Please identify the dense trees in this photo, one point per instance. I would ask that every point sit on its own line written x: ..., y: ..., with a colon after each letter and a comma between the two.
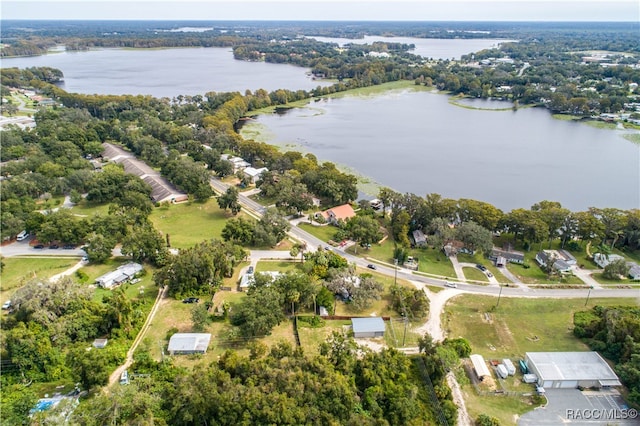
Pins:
x: 615, y: 332
x: 199, y: 269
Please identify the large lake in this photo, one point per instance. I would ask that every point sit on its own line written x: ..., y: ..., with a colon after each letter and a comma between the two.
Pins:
x: 410, y: 141
x: 166, y: 72
x: 416, y: 141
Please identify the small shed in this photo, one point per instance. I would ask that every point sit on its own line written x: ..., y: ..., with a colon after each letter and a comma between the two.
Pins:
x: 368, y: 327
x: 480, y: 366
x: 189, y: 343
x: 100, y: 343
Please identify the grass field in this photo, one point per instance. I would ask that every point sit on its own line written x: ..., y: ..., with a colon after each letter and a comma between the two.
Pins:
x: 518, y: 325
x: 17, y: 271
x: 190, y: 223
x: 325, y: 233
x: 474, y: 274
x: 280, y: 266
x: 311, y: 338
x: 505, y: 408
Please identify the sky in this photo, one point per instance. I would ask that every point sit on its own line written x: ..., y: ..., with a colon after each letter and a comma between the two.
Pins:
x: 322, y: 10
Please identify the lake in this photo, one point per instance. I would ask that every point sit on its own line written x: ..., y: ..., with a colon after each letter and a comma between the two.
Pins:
x: 166, y: 72
x: 410, y: 141
x: 435, y: 48
x: 417, y: 142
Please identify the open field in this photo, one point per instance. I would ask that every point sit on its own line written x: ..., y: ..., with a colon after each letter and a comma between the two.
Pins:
x: 311, y: 338
x: 325, y: 233
x: 474, y: 274
x: 518, y: 325
x: 280, y: 266
x: 85, y: 208
x: 190, y: 223
x: 17, y: 271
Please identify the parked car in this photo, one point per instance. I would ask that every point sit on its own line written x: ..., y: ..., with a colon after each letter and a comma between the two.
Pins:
x: 54, y: 246
x: 450, y: 284
x: 481, y: 267
x: 371, y: 266
x: 38, y: 246
x: 6, y: 305
x: 68, y: 246
x: 250, y: 270
x: 191, y: 300
x: 489, y: 274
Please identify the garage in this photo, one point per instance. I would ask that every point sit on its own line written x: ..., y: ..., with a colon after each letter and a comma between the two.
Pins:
x: 569, y: 370
x: 368, y: 327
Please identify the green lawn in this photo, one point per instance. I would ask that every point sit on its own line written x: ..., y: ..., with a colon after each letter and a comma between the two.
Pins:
x: 474, y: 274
x: 86, y: 208
x: 311, y: 338
x: 280, y: 266
x: 17, y: 271
x: 518, y: 325
x: 505, y: 408
x: 325, y: 233
x: 399, y: 336
x: 190, y: 223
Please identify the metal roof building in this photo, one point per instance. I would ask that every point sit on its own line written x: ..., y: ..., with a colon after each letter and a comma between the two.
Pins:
x: 571, y: 369
x: 189, y: 343
x: 480, y: 366
x: 368, y: 327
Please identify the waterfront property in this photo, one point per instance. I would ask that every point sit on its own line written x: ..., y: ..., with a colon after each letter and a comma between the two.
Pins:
x: 336, y: 214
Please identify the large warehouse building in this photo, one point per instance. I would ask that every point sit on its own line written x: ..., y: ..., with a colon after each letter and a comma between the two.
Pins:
x: 571, y: 369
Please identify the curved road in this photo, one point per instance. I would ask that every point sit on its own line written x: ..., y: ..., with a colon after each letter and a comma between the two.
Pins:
x: 312, y: 242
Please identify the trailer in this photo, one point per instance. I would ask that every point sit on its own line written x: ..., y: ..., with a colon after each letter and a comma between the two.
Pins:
x: 511, y: 369
x: 530, y: 378
x: 501, y: 371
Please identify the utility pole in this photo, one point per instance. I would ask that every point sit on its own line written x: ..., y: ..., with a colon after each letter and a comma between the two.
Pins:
x: 588, y: 294
x: 499, y: 294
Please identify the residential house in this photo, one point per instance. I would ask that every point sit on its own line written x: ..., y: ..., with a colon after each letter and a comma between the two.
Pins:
x: 634, y: 271
x: 502, y: 256
x: 122, y: 274
x: 189, y: 343
x: 452, y: 247
x: 237, y: 162
x: 419, y: 239
x: 336, y: 214
x: 545, y: 256
x: 603, y: 259
x: 254, y: 174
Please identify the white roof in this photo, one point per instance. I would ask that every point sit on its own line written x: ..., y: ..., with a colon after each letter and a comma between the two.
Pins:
x: 479, y: 365
x: 183, y: 342
x: 253, y: 172
x: 572, y: 366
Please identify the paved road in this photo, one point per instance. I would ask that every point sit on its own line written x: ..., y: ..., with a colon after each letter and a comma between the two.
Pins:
x: 313, y: 242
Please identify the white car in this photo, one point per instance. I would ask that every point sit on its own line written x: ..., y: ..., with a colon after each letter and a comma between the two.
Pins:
x: 6, y: 305
x: 450, y: 284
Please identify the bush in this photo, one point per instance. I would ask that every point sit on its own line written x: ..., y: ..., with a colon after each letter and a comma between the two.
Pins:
x: 171, y: 332
x: 82, y: 276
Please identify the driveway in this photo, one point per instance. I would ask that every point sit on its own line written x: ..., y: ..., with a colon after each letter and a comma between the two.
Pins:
x: 585, y: 276
x: 576, y: 408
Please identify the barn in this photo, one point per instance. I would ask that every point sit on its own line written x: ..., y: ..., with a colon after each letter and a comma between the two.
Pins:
x: 368, y: 327
x: 571, y: 370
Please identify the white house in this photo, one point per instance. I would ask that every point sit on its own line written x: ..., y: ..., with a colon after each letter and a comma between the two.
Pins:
x: 559, y: 264
x: 122, y: 274
x: 603, y: 259
x: 253, y: 173
x: 189, y: 343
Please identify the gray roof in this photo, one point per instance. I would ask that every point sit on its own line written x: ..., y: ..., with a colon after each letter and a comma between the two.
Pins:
x: 161, y: 189
x: 572, y: 366
x: 189, y: 342
x: 419, y: 237
x: 367, y: 325
x: 507, y: 254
